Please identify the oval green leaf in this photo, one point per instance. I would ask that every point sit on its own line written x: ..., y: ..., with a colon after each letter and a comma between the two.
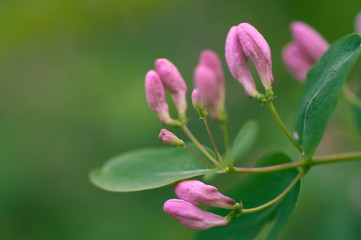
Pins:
x: 254, y: 190
x: 244, y: 141
x: 148, y: 168
x: 322, y: 88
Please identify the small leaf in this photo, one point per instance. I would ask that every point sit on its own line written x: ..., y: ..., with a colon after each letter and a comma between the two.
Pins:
x: 244, y: 141
x: 322, y: 88
x: 254, y: 190
x: 148, y: 168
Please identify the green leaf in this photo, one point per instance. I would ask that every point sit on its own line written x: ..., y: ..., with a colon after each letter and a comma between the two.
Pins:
x: 148, y: 168
x: 322, y: 88
x: 254, y: 190
x: 244, y: 141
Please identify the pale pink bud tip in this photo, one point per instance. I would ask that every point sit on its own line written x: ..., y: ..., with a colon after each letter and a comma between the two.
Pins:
x: 358, y: 23
x: 238, y: 64
x: 170, y: 139
x: 191, y: 216
x: 210, y: 59
x: 198, y: 193
x: 296, y: 61
x: 155, y: 94
x: 309, y: 40
x: 198, y: 104
x: 256, y: 48
x: 206, y: 81
x: 173, y: 82
x: 209, y: 79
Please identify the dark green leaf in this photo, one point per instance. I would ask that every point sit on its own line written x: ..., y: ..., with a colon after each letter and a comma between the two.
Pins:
x: 148, y: 168
x: 244, y: 141
x: 254, y: 190
x: 322, y: 88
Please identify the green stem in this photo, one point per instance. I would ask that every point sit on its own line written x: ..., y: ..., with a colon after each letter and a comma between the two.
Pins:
x: 274, y: 168
x: 197, y: 156
x: 285, y: 166
x: 336, y: 158
x: 212, y: 139
x: 283, y: 127
x: 304, y: 164
x: 225, y: 134
x: 351, y: 97
x: 195, y: 141
x: 278, y: 198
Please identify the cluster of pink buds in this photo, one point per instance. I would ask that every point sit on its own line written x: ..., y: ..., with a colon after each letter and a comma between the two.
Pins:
x: 245, y: 42
x: 167, y: 77
x: 306, y: 49
x: 192, y: 193
x: 209, y: 93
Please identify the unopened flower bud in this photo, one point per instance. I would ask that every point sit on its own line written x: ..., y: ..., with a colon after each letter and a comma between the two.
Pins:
x: 309, y: 40
x: 296, y: 61
x: 173, y: 82
x: 358, y: 23
x: 306, y: 49
x: 198, y: 193
x: 210, y: 59
x: 238, y: 63
x: 198, y: 104
x: 191, y: 216
x: 170, y: 139
x: 256, y: 48
x: 207, y: 82
x: 155, y: 94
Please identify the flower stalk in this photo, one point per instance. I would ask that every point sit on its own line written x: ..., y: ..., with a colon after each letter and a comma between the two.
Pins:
x: 276, y: 199
x: 197, y: 156
x: 283, y: 127
x: 225, y: 135
x: 212, y: 139
x: 197, y: 143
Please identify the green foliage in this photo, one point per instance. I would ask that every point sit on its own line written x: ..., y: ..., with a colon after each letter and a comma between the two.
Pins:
x: 244, y: 141
x: 148, y: 168
x: 254, y: 190
x: 322, y: 88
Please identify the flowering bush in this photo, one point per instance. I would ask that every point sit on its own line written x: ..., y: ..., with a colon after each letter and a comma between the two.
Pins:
x: 269, y: 193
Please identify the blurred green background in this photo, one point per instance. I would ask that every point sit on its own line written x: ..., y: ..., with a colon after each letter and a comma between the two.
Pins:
x: 72, y: 95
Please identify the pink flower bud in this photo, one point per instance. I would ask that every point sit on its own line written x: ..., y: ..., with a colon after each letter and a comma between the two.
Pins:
x: 191, y: 216
x: 206, y: 81
x: 309, y: 40
x: 238, y: 63
x: 170, y: 139
x: 209, y: 79
x: 198, y: 193
x: 256, y: 48
x: 155, y: 94
x: 198, y: 104
x: 173, y: 82
x: 296, y: 61
x: 358, y: 23
x: 210, y: 59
